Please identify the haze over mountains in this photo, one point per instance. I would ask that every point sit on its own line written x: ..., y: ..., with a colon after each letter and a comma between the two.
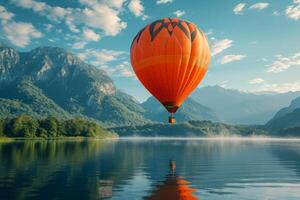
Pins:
x: 51, y: 81
x: 233, y: 106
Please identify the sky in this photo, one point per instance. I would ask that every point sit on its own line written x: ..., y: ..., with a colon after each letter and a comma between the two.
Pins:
x: 255, y: 45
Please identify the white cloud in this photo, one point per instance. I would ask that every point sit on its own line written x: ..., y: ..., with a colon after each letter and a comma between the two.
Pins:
x: 105, y: 59
x: 136, y: 7
x: 123, y: 70
x: 144, y: 17
x: 48, y: 27
x: 223, y: 84
x: 238, y: 9
x: 231, y: 58
x: 256, y: 81
x: 293, y: 11
x: 102, y: 15
x: 19, y: 33
x: 163, y: 1
x: 259, y: 6
x: 100, y: 57
x: 276, y: 13
x: 32, y: 4
x: 280, y: 88
x: 79, y: 45
x: 5, y: 15
x: 282, y: 63
x: 219, y: 46
x: 90, y: 35
x: 179, y: 13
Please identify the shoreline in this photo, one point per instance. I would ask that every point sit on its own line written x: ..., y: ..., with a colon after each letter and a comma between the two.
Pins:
x: 71, y: 138
x: 222, y: 138
x: 137, y: 138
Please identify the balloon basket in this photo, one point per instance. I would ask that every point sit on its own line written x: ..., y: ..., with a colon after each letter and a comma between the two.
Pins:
x: 172, y: 120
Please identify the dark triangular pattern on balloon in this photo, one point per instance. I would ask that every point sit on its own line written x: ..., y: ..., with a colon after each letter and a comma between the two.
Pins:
x: 138, y: 36
x: 156, y: 26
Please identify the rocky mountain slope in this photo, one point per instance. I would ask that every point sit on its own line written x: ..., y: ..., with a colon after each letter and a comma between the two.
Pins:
x: 286, y: 120
x: 52, y: 81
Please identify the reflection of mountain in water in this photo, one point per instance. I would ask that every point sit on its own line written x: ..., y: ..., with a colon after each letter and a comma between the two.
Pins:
x: 121, y: 169
x: 289, y: 156
x: 67, y: 170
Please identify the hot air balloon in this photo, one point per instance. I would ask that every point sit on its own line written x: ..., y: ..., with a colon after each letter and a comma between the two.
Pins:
x: 170, y: 57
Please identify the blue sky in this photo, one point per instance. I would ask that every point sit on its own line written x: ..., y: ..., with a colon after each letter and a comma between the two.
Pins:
x: 255, y: 44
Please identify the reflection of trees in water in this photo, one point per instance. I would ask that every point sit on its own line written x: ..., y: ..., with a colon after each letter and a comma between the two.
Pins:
x: 68, y: 169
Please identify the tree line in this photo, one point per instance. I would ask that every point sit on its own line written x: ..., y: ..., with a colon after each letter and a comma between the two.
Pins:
x: 50, y: 127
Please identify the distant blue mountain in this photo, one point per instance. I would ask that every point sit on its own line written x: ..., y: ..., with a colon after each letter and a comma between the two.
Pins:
x: 189, y: 110
x: 233, y: 106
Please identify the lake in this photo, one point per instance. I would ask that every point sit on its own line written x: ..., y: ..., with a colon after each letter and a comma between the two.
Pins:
x: 150, y: 169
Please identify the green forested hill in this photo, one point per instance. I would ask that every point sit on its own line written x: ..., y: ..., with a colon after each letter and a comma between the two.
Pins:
x: 49, y: 81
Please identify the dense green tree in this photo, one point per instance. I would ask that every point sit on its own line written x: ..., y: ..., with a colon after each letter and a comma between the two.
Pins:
x: 23, y: 126
x: 2, y: 127
x: 51, y: 127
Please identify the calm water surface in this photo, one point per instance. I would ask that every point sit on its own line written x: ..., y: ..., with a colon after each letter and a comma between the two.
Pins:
x: 139, y: 169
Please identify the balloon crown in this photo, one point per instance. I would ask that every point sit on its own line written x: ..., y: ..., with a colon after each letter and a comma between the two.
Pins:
x: 169, y: 24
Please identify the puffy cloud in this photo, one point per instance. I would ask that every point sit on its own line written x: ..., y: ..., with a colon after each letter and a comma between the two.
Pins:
x: 90, y: 35
x: 104, y: 58
x: 256, y: 81
x: 79, y: 45
x: 31, y: 4
x: 223, y: 84
x: 293, y: 11
x: 280, y: 88
x: 5, y: 15
x: 102, y: 15
x: 136, y: 7
x: 259, y: 6
x: 179, y: 13
x: 123, y: 70
x: 219, y: 46
x: 100, y: 57
x: 163, y: 1
x: 238, y: 9
x: 19, y: 33
x: 48, y: 27
x: 282, y: 63
x: 231, y: 58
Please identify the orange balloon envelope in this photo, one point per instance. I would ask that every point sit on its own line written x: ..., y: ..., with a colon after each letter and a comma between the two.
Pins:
x: 170, y: 57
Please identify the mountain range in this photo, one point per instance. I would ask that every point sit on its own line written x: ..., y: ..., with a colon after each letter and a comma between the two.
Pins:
x: 237, y: 107
x: 52, y: 81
